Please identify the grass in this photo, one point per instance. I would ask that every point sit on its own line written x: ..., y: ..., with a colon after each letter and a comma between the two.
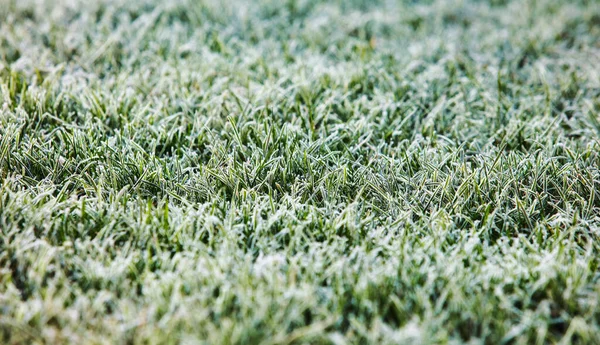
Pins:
x: 305, y: 171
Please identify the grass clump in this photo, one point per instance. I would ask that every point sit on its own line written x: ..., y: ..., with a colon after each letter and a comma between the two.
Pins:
x: 299, y: 172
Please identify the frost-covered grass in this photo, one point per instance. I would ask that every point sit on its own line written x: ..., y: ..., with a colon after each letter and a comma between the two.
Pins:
x: 306, y: 171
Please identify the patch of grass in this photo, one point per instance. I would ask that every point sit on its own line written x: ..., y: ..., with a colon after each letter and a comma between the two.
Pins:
x: 306, y: 171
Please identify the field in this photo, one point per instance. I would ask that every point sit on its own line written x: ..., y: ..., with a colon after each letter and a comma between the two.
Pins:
x: 299, y: 172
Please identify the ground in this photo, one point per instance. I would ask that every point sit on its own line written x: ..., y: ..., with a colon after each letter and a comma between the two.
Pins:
x: 295, y: 172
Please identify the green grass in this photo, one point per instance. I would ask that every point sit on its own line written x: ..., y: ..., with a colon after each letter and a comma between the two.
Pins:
x: 299, y: 172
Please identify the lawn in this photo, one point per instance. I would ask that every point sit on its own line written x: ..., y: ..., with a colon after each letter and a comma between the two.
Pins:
x: 299, y: 172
